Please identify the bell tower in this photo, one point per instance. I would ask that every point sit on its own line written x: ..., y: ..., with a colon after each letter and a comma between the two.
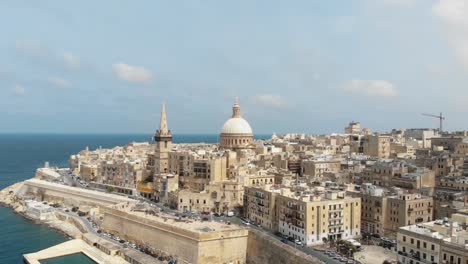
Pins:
x: 163, y: 139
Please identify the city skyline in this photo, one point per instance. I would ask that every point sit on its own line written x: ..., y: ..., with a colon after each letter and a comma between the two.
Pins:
x: 305, y: 67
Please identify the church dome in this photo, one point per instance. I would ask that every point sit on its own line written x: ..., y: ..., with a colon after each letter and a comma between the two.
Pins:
x: 236, y: 125
x: 236, y: 132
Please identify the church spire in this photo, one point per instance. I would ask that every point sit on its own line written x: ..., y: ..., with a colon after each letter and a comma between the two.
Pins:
x: 163, y: 131
x: 236, y: 108
x: 163, y: 122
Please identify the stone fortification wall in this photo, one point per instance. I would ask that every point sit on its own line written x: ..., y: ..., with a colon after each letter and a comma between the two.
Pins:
x: 263, y: 248
x: 73, y: 220
x: 191, y: 246
x: 53, y: 192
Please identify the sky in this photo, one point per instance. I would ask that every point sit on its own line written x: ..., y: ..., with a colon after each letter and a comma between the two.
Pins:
x: 307, y: 66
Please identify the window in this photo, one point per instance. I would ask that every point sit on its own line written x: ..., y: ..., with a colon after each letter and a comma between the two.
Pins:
x: 404, y: 238
x: 432, y: 247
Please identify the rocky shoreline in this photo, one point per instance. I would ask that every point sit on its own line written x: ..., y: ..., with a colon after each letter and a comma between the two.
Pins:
x: 8, y: 199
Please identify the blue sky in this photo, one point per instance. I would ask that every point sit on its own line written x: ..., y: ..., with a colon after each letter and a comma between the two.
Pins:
x: 297, y: 66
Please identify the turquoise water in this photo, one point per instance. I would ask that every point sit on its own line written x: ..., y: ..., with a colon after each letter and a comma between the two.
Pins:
x: 76, y: 258
x: 21, y: 154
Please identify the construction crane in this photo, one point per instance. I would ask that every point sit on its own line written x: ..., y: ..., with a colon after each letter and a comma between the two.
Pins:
x: 440, y: 117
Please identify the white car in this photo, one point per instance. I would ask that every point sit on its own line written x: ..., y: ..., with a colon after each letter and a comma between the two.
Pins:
x: 298, y: 242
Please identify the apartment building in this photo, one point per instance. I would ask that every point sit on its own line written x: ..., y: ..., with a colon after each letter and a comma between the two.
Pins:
x: 260, y: 205
x: 457, y: 183
x: 389, y: 173
x: 376, y: 146
x: 317, y: 217
x: 353, y: 128
x: 442, y: 241
x: 315, y: 169
x: 384, y: 212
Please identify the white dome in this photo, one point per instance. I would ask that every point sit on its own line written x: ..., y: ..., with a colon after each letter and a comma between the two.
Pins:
x: 236, y: 125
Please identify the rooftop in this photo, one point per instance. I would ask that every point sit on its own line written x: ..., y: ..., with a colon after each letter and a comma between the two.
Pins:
x: 185, y: 223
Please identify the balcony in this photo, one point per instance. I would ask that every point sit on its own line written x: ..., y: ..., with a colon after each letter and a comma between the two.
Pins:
x: 332, y: 217
x: 339, y: 231
x: 416, y: 256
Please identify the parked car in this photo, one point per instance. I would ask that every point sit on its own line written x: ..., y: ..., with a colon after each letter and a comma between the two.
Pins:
x: 284, y: 240
x: 298, y: 242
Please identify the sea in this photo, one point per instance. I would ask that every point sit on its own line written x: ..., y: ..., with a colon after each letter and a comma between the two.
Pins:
x: 21, y: 154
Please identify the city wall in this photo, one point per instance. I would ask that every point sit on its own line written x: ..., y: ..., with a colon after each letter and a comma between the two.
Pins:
x: 263, y: 248
x: 190, y: 246
x: 53, y: 192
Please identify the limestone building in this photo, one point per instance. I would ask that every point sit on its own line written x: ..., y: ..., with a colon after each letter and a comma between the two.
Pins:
x: 312, y: 216
x: 236, y: 132
x: 353, y: 128
x: 260, y: 205
x: 384, y: 212
x: 376, y: 146
x: 441, y: 241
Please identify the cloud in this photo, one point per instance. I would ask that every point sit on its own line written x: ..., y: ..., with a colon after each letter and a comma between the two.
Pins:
x: 71, y: 60
x: 370, y: 88
x: 270, y: 100
x: 19, y: 90
x: 59, y: 82
x: 454, y: 16
x: 130, y: 73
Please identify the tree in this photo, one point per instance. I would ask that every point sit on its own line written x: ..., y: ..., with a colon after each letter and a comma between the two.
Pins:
x: 110, y: 189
